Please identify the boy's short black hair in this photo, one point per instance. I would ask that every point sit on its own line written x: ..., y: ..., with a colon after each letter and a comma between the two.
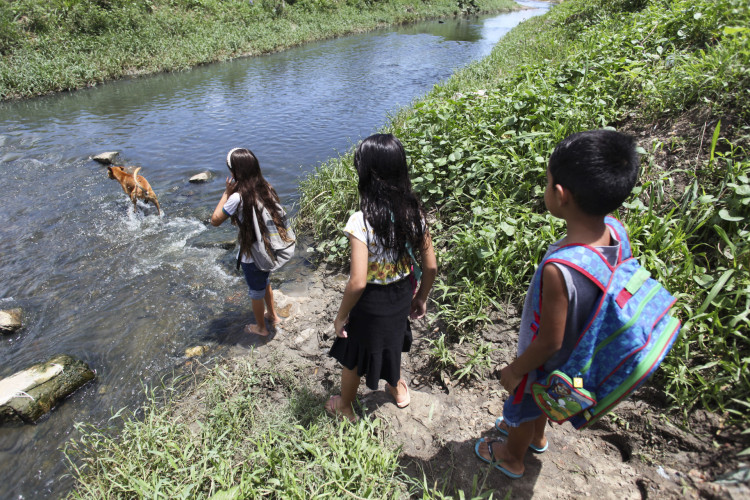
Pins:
x: 599, y: 167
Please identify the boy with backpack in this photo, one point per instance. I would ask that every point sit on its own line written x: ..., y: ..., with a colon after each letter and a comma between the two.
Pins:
x: 589, y: 175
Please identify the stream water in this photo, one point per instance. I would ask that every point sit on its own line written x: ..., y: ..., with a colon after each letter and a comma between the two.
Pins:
x: 128, y: 292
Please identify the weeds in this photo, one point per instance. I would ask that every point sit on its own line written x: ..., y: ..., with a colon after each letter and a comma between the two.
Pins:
x: 234, y: 448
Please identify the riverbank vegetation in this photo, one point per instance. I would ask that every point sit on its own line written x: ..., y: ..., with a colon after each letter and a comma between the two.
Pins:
x: 231, y: 446
x: 53, y: 45
x: 674, y: 73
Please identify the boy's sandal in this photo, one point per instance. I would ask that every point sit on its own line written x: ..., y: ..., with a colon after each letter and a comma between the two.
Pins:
x: 504, y: 432
x: 493, y: 461
x: 333, y: 410
x: 406, y: 399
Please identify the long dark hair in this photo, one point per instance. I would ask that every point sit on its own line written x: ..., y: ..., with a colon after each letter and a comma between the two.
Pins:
x: 385, y: 197
x: 255, y: 192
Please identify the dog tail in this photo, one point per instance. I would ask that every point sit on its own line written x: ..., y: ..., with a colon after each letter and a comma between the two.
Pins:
x: 135, y: 181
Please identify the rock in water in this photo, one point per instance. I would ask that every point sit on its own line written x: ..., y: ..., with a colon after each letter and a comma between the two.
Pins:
x: 107, y: 158
x: 199, y: 350
x: 27, y: 395
x: 10, y: 320
x: 202, y: 177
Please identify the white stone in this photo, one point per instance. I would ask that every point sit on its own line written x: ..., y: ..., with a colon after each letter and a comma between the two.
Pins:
x: 10, y: 320
x: 202, y: 177
x: 106, y: 158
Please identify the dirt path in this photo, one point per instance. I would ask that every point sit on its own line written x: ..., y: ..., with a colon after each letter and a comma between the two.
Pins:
x: 637, y: 454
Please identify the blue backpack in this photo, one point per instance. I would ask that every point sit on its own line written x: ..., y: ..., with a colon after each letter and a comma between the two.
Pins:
x: 626, y: 338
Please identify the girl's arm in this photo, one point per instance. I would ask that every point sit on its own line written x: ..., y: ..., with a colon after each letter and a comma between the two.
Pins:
x: 354, y: 287
x: 551, y: 331
x: 219, y: 216
x: 429, y: 272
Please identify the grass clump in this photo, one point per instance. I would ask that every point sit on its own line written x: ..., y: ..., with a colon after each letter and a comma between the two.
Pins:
x: 230, y: 446
x: 48, y: 46
x: 479, y: 144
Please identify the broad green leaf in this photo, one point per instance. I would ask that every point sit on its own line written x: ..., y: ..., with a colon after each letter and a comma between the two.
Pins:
x: 724, y: 214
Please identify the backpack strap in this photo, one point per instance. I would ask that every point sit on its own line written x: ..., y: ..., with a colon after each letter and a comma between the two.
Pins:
x: 617, y: 227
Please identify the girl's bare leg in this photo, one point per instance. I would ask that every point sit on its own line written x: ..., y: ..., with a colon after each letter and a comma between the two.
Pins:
x: 260, y: 327
x: 342, y: 405
x: 271, y: 315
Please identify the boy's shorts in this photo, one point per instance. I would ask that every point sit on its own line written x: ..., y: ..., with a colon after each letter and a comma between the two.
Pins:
x: 257, y: 280
x: 525, y: 411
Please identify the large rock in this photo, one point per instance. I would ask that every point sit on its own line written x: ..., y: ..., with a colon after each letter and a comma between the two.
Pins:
x: 199, y: 178
x: 27, y: 395
x: 10, y: 320
x: 107, y: 158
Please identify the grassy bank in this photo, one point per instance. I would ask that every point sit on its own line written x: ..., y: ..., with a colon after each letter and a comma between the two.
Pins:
x: 49, y: 46
x: 229, y: 445
x: 675, y: 73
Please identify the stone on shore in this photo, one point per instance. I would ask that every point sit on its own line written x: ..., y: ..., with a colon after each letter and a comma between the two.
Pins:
x: 10, y: 320
x: 27, y: 395
x: 107, y: 158
x: 202, y: 177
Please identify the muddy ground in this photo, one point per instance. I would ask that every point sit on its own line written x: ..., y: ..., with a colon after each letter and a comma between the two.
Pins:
x: 639, y: 453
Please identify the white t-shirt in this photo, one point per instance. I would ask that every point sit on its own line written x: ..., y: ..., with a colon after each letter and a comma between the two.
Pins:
x: 232, y: 205
x: 381, y: 266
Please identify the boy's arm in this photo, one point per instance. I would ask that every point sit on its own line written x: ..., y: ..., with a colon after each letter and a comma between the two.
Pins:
x: 551, y: 331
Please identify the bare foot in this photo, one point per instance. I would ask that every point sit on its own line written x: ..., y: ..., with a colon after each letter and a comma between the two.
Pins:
x: 336, y: 407
x: 256, y: 330
x: 500, y: 456
x: 274, y: 320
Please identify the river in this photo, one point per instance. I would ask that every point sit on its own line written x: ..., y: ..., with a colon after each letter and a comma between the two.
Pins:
x: 129, y: 292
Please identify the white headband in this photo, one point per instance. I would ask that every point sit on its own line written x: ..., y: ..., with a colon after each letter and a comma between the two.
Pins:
x: 229, y: 157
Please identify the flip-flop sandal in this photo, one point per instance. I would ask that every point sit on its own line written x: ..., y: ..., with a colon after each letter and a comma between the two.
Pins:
x: 407, y: 399
x: 332, y: 409
x: 533, y: 448
x: 492, y: 461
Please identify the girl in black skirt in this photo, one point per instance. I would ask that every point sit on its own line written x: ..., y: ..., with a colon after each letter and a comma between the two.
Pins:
x: 388, y: 238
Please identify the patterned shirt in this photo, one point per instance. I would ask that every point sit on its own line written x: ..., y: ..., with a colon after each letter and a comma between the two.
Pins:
x: 381, y: 266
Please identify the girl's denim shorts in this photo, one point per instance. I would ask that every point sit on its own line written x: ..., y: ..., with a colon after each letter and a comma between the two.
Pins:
x: 257, y: 280
x: 525, y: 411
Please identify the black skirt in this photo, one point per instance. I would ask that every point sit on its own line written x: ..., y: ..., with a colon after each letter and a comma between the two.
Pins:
x: 378, y: 332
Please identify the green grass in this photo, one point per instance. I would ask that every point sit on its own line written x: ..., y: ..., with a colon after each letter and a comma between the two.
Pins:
x: 224, y: 443
x: 48, y: 46
x: 231, y: 446
x: 478, y: 146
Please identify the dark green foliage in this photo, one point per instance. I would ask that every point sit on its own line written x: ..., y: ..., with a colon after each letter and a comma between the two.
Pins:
x: 479, y: 159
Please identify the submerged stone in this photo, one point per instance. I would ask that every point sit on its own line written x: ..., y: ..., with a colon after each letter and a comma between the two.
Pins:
x: 214, y: 239
x: 199, y: 350
x: 10, y: 320
x: 27, y: 395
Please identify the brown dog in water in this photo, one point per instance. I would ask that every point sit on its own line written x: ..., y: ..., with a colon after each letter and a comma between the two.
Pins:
x: 135, y: 186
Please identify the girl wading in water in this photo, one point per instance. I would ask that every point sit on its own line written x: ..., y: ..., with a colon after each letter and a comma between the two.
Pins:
x: 388, y: 237
x: 247, y: 199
